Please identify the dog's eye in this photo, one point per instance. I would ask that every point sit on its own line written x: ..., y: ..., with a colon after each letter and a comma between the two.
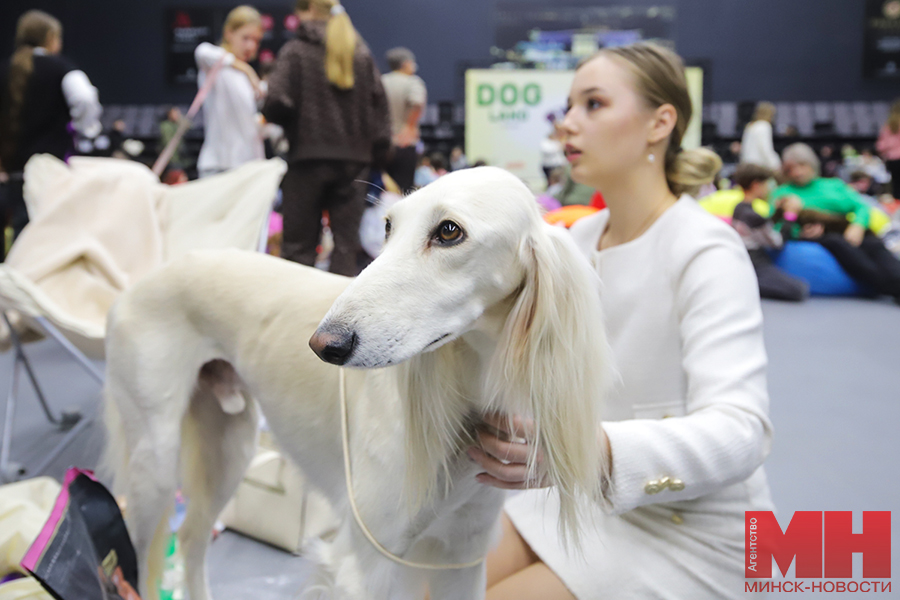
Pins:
x: 449, y: 232
x: 387, y: 229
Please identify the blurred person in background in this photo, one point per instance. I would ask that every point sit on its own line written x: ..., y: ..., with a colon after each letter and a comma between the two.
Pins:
x: 233, y: 133
x: 835, y: 216
x: 759, y: 234
x: 407, y: 98
x: 756, y: 144
x: 41, y: 94
x: 425, y: 173
x: 439, y: 163
x: 167, y: 129
x: 458, y: 159
x: 888, y: 146
x: 326, y: 92
x: 552, y: 155
x: 831, y: 163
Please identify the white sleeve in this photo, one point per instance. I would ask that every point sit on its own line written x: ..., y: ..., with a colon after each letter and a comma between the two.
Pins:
x: 418, y: 95
x: 725, y: 434
x: 207, y: 55
x: 84, y: 103
x: 768, y: 150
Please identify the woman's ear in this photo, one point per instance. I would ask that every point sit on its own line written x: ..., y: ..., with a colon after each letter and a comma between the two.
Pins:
x: 662, y: 123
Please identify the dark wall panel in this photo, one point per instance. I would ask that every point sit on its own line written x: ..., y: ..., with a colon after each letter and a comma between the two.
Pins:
x: 775, y: 49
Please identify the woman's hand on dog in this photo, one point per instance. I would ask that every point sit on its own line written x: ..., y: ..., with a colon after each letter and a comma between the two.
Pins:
x: 502, y: 451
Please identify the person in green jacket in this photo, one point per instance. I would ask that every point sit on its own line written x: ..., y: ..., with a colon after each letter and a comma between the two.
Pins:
x: 859, y: 251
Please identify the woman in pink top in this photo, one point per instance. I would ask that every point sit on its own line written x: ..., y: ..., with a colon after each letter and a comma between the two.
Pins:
x: 888, y: 146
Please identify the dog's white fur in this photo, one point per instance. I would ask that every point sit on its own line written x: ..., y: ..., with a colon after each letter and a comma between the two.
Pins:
x: 506, y: 320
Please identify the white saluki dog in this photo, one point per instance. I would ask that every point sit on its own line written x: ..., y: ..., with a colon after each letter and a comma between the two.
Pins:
x: 475, y: 306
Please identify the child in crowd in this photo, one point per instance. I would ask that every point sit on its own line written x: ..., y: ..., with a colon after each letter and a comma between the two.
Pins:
x: 759, y: 235
x: 863, y: 183
x: 439, y: 164
x: 425, y: 174
x: 458, y: 159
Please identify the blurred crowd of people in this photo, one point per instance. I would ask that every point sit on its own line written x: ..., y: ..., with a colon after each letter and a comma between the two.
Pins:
x: 844, y: 202
x: 322, y: 105
x: 347, y: 131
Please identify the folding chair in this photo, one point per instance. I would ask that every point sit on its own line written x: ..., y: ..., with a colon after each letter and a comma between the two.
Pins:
x: 97, y: 259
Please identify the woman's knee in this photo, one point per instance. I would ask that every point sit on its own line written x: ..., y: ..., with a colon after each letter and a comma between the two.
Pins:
x: 512, y: 555
x: 535, y: 582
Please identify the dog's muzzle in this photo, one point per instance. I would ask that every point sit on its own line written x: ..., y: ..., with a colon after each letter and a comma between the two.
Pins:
x: 333, y: 347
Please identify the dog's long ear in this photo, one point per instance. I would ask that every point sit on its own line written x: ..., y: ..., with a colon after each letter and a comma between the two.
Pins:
x: 551, y: 364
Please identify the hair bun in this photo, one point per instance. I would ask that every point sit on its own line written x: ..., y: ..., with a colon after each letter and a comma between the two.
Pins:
x: 690, y: 169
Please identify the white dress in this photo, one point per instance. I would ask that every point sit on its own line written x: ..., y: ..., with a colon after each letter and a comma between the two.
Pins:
x: 689, y: 404
x: 233, y: 133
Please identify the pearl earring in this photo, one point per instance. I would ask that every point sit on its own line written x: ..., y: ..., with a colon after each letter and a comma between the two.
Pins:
x: 651, y: 157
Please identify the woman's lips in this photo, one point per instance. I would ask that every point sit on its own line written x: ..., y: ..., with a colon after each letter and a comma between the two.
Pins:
x: 572, y: 153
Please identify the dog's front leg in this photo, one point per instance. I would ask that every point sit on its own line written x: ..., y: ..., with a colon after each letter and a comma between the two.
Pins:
x: 459, y: 584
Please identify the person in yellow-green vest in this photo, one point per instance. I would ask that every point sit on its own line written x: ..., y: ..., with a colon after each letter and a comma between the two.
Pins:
x: 843, y: 226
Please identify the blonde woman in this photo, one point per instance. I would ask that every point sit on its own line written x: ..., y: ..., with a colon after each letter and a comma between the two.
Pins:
x: 888, y: 146
x: 233, y: 127
x: 757, y: 147
x: 326, y: 92
x: 41, y: 92
x: 686, y: 424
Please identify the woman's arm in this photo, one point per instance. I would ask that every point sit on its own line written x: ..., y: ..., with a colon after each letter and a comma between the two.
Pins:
x: 279, y: 106
x: 207, y: 55
x: 725, y: 434
x: 84, y: 103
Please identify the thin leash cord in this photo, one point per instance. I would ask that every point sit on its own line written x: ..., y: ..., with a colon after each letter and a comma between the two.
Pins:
x: 345, y: 438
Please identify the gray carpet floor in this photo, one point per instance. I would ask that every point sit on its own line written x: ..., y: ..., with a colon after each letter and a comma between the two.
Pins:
x: 834, y: 380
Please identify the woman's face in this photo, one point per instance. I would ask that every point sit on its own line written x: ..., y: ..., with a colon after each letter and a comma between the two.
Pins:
x: 244, y: 41
x: 608, y: 126
x: 798, y: 173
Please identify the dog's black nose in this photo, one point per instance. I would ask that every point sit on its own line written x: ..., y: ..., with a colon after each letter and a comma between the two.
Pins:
x: 333, y: 347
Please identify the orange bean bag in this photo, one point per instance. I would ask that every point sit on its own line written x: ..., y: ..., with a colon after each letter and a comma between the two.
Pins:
x: 567, y: 215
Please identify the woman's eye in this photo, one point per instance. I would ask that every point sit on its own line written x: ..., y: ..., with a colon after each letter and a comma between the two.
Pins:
x: 593, y: 104
x: 449, y: 232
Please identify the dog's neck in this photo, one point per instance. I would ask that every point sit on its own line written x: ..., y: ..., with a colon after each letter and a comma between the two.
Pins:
x: 485, y: 333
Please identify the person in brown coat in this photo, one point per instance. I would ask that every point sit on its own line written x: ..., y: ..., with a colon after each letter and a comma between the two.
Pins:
x: 326, y: 92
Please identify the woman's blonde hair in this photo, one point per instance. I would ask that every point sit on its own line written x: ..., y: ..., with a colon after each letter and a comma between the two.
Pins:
x: 340, y: 40
x: 893, y: 121
x: 240, y: 16
x: 765, y: 111
x: 659, y: 79
x: 34, y: 29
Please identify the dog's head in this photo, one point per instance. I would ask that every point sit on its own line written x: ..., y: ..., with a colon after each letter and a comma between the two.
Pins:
x: 473, y: 244
x: 452, y: 249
